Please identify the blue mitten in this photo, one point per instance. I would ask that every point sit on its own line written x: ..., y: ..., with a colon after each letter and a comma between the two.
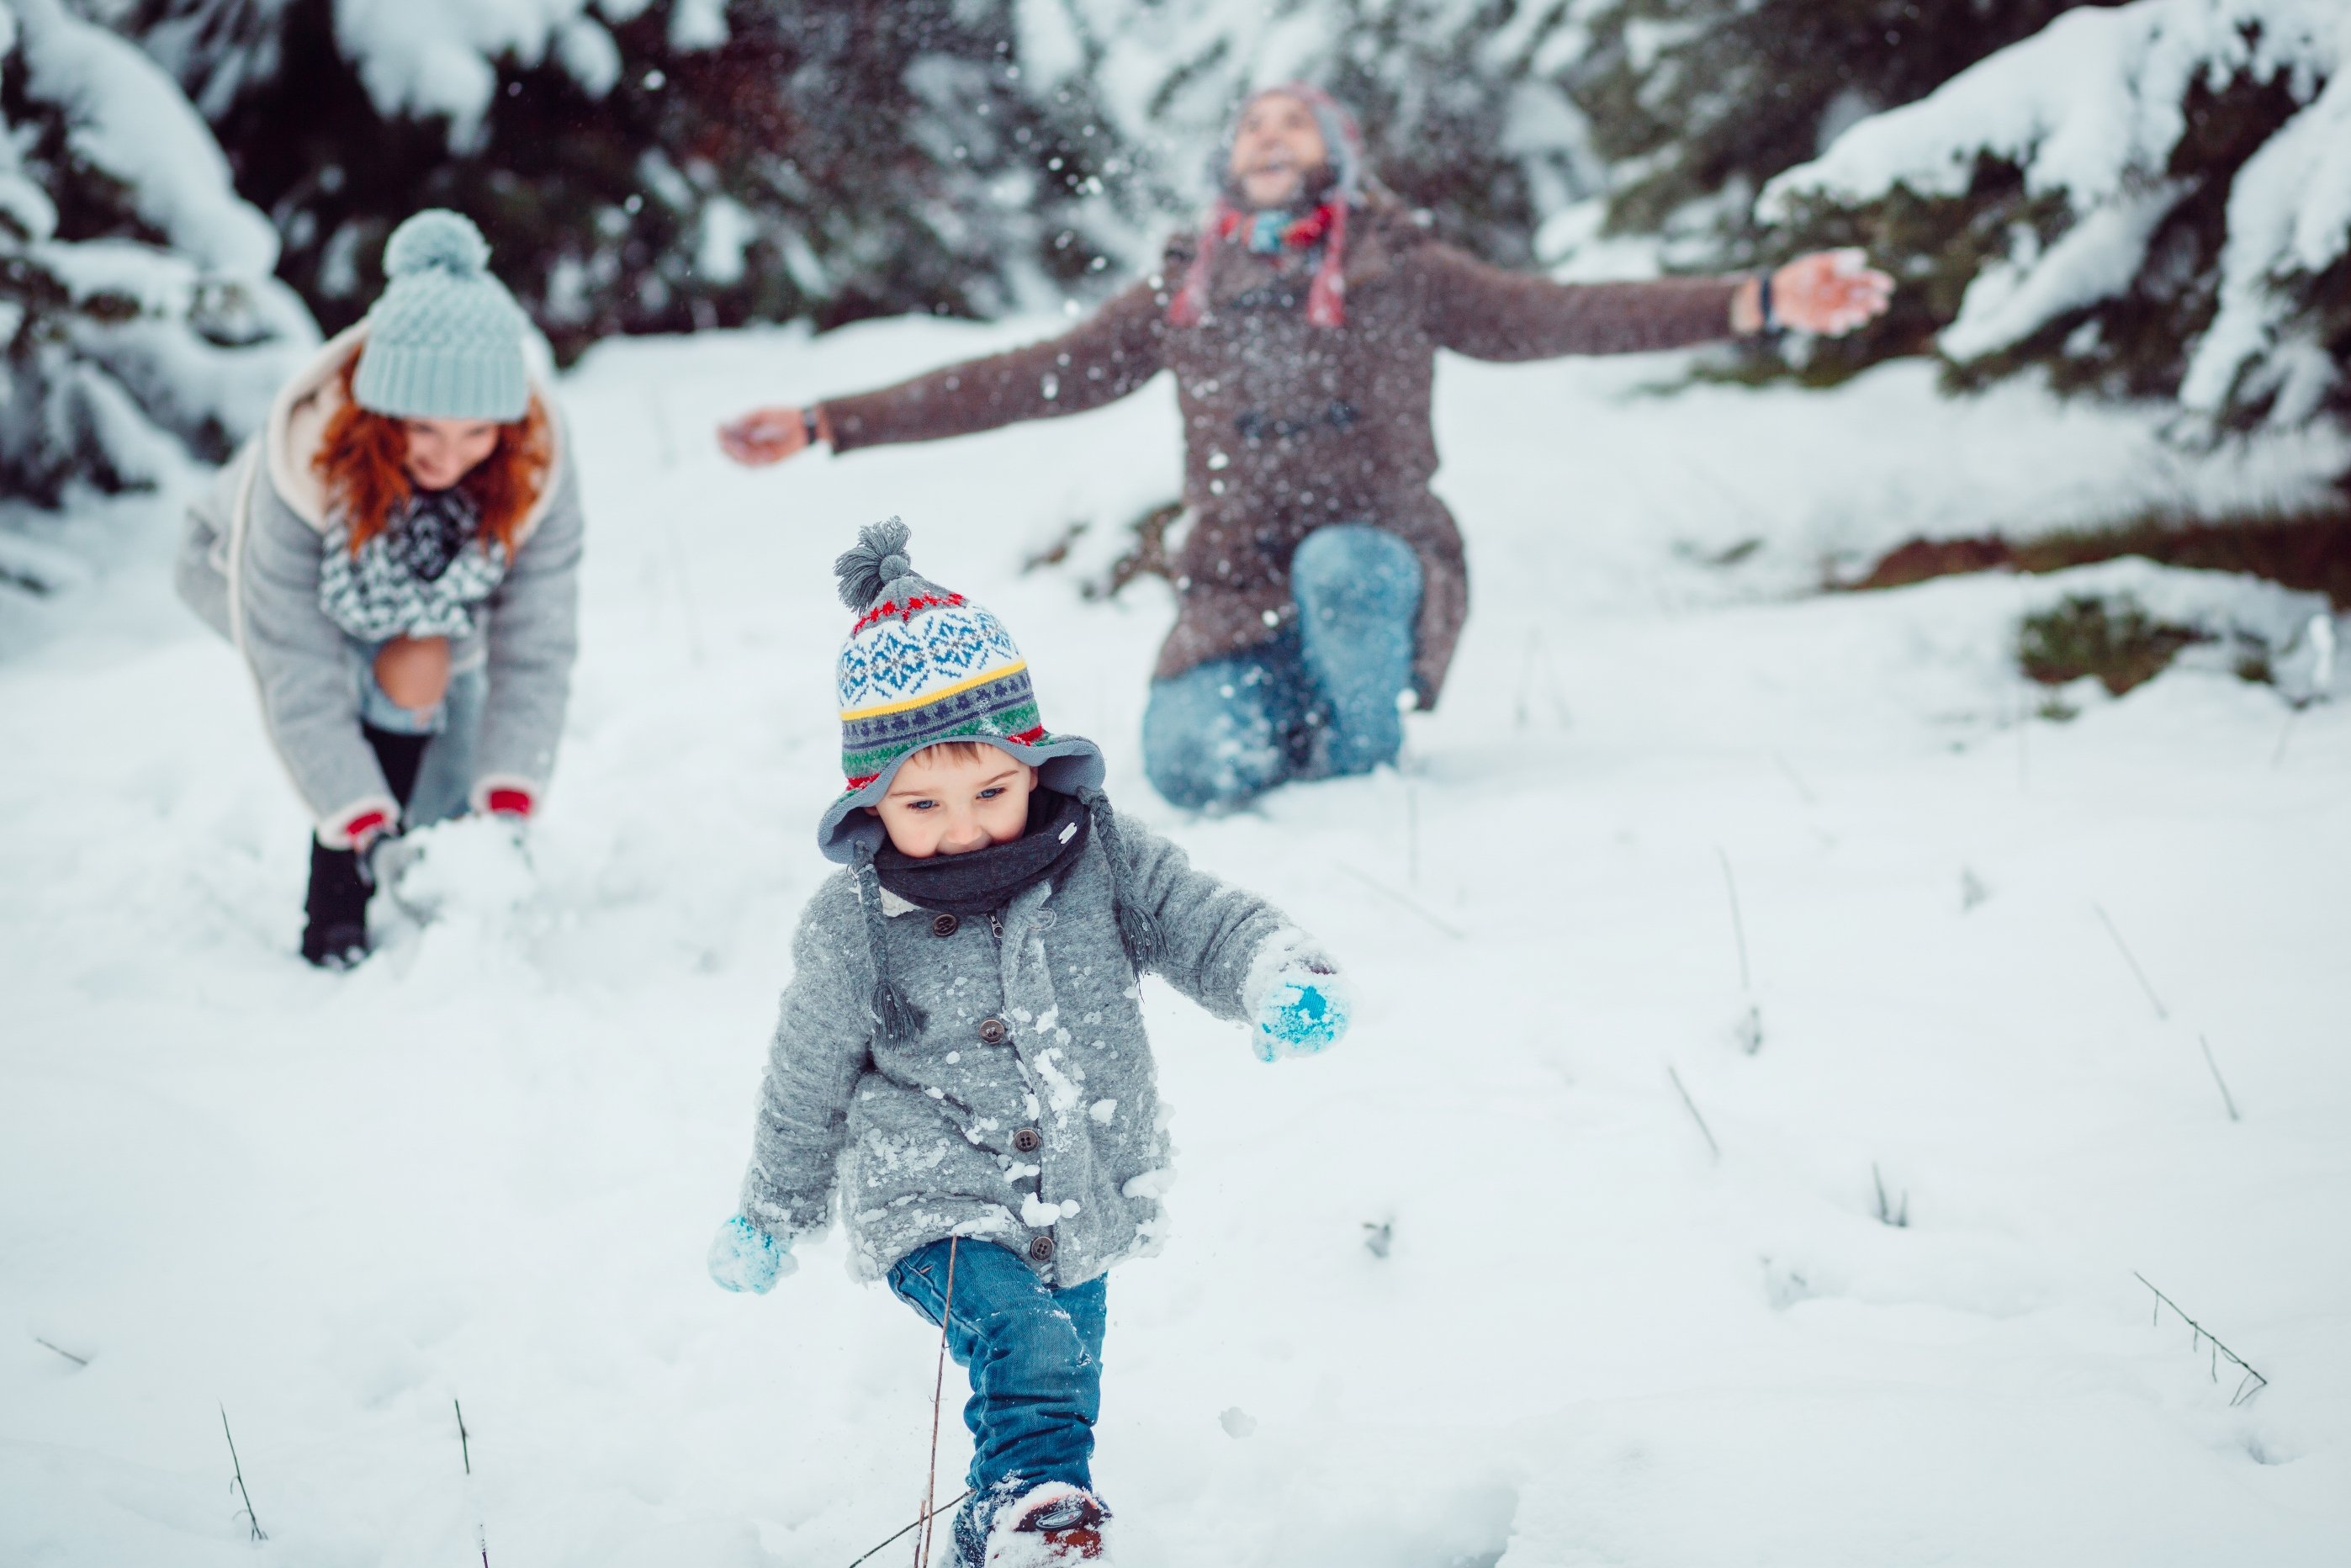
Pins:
x: 1304, y: 1013
x: 745, y: 1258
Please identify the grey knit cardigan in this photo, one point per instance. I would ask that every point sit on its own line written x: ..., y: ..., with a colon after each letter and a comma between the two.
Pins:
x: 1021, y: 1107
x: 249, y: 565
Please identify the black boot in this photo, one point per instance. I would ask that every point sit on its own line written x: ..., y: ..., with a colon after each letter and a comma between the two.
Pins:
x: 336, y: 936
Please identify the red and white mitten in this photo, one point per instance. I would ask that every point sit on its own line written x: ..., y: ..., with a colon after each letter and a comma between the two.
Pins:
x: 503, y: 796
x: 358, y: 826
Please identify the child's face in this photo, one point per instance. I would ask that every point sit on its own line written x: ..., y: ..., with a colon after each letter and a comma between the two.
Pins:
x: 945, y: 804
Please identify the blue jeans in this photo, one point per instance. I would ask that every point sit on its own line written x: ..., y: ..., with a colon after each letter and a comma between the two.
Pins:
x: 1034, y: 1353
x: 444, y: 779
x: 1319, y: 700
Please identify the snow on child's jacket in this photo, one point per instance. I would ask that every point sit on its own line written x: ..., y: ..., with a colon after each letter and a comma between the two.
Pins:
x: 987, y: 1076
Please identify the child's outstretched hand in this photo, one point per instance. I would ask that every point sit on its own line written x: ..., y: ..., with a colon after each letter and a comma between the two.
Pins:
x: 1304, y: 1013
x: 745, y: 1258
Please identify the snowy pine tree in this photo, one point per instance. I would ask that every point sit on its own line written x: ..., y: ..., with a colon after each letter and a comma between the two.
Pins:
x: 647, y: 165
x: 1696, y: 103
x: 138, y: 312
x: 2153, y: 200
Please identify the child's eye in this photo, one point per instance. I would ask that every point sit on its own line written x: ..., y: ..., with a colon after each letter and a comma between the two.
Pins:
x: 991, y: 793
x: 920, y: 805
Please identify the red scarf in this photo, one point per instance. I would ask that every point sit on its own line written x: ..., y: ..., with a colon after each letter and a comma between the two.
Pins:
x: 1326, y: 296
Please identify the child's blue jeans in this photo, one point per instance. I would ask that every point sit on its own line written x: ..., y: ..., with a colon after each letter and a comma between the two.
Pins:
x: 1035, y: 1357
x: 1319, y: 700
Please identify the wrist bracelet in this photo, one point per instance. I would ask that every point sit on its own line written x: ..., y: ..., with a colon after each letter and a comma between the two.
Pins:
x: 807, y: 416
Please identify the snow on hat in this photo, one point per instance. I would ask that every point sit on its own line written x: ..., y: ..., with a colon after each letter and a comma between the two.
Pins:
x: 925, y: 665
x: 446, y: 341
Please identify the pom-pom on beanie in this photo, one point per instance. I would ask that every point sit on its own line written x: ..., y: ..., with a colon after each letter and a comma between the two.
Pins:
x: 446, y: 341
x: 923, y: 665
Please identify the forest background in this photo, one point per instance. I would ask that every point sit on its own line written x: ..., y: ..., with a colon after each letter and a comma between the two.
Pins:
x: 2145, y: 202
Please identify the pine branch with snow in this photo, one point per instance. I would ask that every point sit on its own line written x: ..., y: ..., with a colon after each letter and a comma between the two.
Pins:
x: 139, y: 318
x: 2153, y: 199
x: 1694, y: 104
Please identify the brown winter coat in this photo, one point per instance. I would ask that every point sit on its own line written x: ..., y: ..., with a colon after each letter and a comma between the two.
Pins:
x: 1288, y: 426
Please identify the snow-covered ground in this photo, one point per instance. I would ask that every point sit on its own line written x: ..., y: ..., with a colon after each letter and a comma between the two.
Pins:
x: 484, y: 1166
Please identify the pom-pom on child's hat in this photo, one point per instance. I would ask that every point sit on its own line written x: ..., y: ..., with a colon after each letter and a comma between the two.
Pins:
x: 446, y: 339
x: 925, y: 665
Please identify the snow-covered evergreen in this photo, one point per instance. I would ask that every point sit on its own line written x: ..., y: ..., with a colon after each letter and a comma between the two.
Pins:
x: 653, y: 165
x: 1696, y: 103
x: 2155, y: 199
x: 138, y: 314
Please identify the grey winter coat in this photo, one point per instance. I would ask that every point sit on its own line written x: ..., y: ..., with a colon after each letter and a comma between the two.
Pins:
x: 1023, y: 1111
x: 249, y: 565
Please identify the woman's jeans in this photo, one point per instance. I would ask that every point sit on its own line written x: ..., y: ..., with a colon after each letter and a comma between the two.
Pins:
x: 1321, y: 699
x: 1035, y: 1357
x: 444, y: 778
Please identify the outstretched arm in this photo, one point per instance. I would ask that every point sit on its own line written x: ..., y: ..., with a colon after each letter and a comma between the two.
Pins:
x: 1225, y: 947
x: 1109, y: 355
x: 1489, y: 313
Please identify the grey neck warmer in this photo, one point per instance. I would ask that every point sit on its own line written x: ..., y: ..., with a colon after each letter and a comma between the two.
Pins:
x: 984, y: 881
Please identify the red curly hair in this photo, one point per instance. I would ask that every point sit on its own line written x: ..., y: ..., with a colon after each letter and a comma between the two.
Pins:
x: 362, y: 461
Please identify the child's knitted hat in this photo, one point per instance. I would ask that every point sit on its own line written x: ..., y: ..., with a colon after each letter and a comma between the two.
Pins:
x: 446, y: 339
x: 923, y: 665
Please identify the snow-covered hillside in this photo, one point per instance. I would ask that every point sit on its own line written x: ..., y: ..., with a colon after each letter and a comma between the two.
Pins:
x: 485, y: 1165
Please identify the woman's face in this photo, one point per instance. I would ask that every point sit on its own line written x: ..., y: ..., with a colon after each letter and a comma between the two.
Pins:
x: 1276, y: 145
x: 442, y: 451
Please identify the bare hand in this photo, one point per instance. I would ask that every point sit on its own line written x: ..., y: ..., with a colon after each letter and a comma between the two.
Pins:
x: 767, y: 435
x: 1830, y: 292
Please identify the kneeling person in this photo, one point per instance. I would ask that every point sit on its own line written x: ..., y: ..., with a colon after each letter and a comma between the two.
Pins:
x: 962, y: 1043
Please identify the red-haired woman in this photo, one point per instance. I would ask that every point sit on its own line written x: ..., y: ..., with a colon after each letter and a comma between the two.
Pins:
x: 395, y: 555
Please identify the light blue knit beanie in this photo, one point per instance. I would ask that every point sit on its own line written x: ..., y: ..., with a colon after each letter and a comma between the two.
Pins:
x: 446, y: 339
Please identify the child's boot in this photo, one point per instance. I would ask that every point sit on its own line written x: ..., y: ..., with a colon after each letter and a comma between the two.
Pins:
x: 1055, y: 1525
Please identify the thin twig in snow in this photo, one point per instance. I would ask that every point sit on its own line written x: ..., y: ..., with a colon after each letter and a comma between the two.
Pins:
x: 465, y: 1452
x: 2201, y: 1336
x: 1684, y: 1093
x: 2226, y: 1098
x: 238, y: 1468
x: 2023, y: 703
x: 955, y: 1502
x: 1886, y: 1213
x: 1376, y: 886
x: 2285, y: 733
x: 76, y: 1360
x: 1737, y: 926
x: 938, y: 1398
x: 2162, y: 1013
x: 1750, y: 1028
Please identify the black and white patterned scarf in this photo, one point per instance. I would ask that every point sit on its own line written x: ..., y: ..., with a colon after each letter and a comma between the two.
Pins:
x: 425, y: 575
